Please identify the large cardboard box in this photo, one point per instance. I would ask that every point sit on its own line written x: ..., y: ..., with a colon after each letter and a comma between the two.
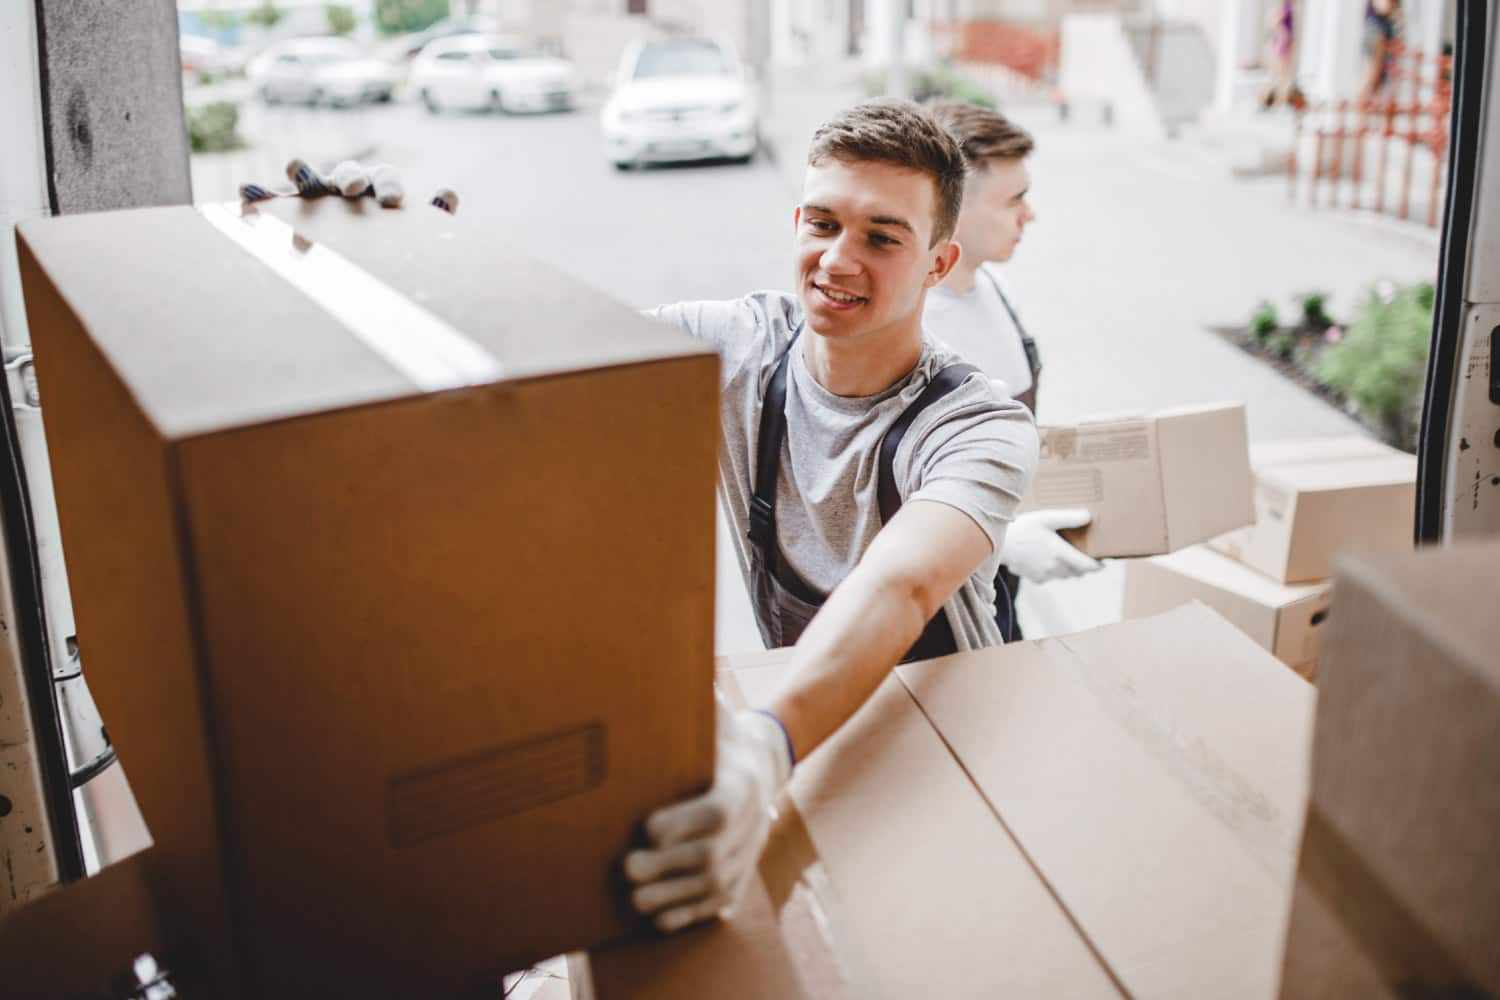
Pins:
x: 1285, y: 619
x: 1153, y: 484
x: 392, y: 560
x: 1398, y: 893
x: 1113, y: 813
x: 1316, y: 497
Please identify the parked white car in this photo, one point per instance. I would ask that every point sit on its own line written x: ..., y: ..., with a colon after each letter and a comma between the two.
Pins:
x: 333, y: 71
x: 680, y: 99
x: 491, y: 72
x: 204, y: 59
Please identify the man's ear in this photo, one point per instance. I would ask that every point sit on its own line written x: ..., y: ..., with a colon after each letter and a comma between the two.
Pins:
x: 796, y: 218
x: 945, y: 256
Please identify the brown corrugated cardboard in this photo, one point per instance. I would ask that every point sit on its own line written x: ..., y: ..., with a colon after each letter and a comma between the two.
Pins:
x: 77, y: 940
x: 1398, y: 894
x: 1144, y: 782
x: 1153, y: 484
x: 1319, y: 496
x: 886, y: 876
x: 1287, y: 620
x: 379, y: 662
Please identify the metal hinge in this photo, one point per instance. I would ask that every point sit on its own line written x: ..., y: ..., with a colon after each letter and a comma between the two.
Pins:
x: 20, y: 373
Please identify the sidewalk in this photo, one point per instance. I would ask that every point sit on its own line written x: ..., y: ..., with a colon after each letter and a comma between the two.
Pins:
x: 1140, y: 246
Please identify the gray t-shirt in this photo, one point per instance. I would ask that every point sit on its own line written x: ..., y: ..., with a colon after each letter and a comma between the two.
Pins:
x: 975, y: 450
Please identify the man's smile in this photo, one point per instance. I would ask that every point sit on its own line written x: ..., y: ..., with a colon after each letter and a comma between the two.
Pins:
x: 837, y: 298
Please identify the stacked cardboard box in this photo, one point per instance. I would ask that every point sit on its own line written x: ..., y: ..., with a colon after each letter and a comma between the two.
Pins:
x: 393, y: 580
x: 1153, y: 484
x: 1312, y: 498
x: 1114, y: 813
x: 1398, y: 893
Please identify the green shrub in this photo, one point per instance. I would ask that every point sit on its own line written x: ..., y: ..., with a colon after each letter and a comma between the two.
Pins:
x: 933, y: 84
x: 1315, y: 311
x: 214, y: 127
x: 1380, y: 364
x: 267, y: 15
x: 1264, y: 321
x: 341, y: 19
x: 396, y: 17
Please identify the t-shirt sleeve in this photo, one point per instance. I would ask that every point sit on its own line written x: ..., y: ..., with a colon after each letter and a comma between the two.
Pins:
x: 979, y: 458
x: 744, y: 331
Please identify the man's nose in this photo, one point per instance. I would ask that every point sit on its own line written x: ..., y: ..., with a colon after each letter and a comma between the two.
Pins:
x: 837, y: 258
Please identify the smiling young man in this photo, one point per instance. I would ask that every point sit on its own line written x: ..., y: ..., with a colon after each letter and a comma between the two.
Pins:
x: 973, y: 311
x: 870, y: 473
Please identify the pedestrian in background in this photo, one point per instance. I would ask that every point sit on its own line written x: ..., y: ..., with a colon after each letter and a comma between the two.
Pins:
x: 1382, y: 34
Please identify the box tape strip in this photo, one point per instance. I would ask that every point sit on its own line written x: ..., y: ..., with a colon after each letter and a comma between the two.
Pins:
x: 429, y: 352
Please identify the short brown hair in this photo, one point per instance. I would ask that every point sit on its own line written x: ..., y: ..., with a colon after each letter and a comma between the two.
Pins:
x: 983, y: 134
x: 902, y: 134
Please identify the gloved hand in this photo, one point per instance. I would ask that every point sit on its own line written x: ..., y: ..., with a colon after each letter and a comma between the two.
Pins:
x: 703, y: 851
x: 1035, y: 551
x: 350, y: 179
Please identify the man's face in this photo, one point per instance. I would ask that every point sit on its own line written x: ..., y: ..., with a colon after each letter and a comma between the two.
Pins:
x: 862, y: 241
x: 995, y: 211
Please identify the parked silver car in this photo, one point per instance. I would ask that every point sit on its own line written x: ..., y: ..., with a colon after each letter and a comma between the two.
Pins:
x: 332, y: 71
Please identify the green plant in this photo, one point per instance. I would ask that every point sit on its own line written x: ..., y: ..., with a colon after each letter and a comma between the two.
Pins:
x: 396, y: 17
x: 214, y: 127
x: 340, y: 17
x: 267, y: 15
x: 1264, y: 321
x: 218, y: 21
x: 1380, y: 364
x: 1281, y: 344
x: 930, y: 84
x: 1315, y: 311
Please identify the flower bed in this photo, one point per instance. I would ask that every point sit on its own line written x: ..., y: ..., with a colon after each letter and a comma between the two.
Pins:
x: 1375, y: 368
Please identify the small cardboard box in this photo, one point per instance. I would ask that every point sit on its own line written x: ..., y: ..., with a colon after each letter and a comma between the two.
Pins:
x: 996, y: 823
x: 1316, y: 497
x: 1153, y: 484
x: 392, y: 560
x: 1287, y: 620
x: 1398, y: 893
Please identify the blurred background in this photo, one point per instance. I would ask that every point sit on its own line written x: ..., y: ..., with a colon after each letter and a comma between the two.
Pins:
x: 1236, y: 199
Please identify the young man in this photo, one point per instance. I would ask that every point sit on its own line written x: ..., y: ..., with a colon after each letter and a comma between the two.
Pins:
x: 973, y: 311
x: 871, y: 476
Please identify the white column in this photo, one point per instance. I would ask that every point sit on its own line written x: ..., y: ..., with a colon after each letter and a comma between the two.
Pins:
x: 1227, y: 54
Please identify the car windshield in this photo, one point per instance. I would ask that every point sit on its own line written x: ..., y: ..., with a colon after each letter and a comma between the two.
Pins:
x: 509, y: 54
x: 681, y: 59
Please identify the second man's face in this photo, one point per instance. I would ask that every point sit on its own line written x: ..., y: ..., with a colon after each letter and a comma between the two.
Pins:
x: 995, y: 211
x: 862, y: 243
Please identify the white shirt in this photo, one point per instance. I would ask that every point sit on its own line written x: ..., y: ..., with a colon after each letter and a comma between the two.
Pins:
x: 978, y: 327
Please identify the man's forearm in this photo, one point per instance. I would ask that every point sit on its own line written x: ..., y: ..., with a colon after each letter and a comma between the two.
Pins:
x: 866, y: 626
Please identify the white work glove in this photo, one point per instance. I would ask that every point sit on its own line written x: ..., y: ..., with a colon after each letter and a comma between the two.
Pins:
x: 703, y: 851
x: 1035, y: 551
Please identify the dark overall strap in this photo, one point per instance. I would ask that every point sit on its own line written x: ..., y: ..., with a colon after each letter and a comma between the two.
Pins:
x: 1028, y: 344
x: 767, y: 470
x: 937, y: 637
x: 944, y: 382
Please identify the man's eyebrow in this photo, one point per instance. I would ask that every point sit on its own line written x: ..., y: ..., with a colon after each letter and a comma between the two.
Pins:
x: 892, y: 220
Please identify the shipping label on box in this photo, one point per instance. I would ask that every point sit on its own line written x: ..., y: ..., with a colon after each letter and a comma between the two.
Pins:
x: 1153, y: 484
x: 1286, y: 620
x: 1317, y: 497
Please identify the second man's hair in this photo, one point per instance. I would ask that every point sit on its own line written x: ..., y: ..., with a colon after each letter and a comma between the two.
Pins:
x: 982, y: 134
x: 901, y: 134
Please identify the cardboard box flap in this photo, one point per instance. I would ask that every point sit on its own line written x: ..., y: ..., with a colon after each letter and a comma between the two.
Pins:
x: 1348, y: 472
x: 1280, y: 451
x: 891, y: 875
x: 1205, y: 471
x: 265, y: 350
x: 1114, y: 836
x: 1220, y: 570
